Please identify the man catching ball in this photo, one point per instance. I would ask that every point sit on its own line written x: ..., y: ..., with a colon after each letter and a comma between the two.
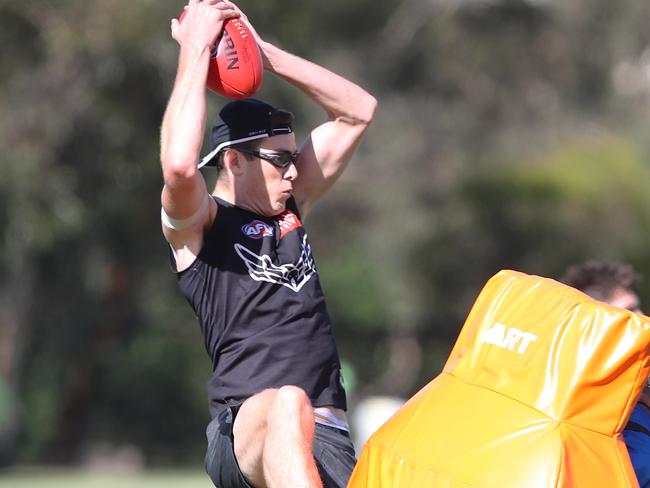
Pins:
x: 244, y: 262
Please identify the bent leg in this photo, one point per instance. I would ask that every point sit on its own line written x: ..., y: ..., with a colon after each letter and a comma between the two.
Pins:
x: 249, y: 433
x: 288, y: 456
x: 273, y: 435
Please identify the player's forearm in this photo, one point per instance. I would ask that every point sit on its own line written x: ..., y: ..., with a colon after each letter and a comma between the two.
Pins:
x: 340, y: 98
x: 184, y: 120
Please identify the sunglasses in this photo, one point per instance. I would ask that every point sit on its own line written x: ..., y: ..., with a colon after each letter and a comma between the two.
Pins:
x: 281, y: 159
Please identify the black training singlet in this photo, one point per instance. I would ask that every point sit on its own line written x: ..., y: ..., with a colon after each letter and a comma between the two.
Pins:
x: 257, y: 295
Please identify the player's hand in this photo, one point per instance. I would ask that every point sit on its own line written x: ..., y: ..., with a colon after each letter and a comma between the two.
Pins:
x: 201, y: 22
x: 258, y: 38
x: 244, y: 17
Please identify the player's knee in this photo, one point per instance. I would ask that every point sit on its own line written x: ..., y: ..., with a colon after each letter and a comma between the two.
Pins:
x: 292, y: 396
x: 293, y: 401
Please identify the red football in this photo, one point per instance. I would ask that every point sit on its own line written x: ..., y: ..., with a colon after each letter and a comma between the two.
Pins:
x: 236, y: 68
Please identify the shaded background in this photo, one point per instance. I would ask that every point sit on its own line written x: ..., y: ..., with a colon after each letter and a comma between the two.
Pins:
x: 510, y: 134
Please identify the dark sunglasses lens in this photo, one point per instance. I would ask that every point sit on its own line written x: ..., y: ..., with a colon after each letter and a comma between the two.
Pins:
x: 281, y: 160
x: 285, y: 159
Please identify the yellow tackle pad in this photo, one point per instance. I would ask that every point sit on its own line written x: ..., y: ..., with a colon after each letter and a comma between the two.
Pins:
x: 535, y: 393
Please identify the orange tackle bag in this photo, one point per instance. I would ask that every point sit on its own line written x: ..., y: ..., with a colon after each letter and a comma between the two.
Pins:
x: 535, y: 393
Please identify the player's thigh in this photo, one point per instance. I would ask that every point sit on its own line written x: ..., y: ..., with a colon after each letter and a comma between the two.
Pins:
x: 249, y: 434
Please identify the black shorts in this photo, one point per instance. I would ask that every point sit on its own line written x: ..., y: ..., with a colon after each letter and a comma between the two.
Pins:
x: 333, y: 452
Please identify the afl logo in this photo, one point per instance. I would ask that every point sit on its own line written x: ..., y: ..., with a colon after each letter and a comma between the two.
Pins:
x: 257, y: 229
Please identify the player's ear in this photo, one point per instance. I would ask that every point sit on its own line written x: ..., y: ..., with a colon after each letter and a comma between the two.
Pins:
x: 234, y: 162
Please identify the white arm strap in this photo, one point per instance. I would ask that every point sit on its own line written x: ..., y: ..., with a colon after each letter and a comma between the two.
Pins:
x: 182, y: 224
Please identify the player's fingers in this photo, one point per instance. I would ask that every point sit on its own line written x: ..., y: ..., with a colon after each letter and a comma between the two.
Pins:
x: 228, y: 4
x: 174, y: 28
x: 239, y: 11
x: 228, y: 10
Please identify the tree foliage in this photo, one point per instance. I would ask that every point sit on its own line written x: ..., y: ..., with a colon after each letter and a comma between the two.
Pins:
x: 510, y: 134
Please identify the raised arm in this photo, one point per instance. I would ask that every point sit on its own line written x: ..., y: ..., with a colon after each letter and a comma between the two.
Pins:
x: 184, y: 193
x: 349, y: 108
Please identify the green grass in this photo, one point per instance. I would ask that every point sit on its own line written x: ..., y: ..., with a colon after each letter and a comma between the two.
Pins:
x: 60, y: 478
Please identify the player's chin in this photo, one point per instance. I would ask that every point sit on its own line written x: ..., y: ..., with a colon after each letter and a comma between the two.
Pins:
x: 279, y: 206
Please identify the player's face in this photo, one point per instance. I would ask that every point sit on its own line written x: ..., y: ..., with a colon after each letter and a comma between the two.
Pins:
x: 270, y: 175
x: 625, y: 299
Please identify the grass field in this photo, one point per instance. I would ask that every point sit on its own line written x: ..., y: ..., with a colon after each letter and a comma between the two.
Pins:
x: 46, y: 478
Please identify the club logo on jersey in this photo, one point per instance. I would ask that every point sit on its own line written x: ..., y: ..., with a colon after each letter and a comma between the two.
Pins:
x: 508, y: 338
x: 293, y: 276
x: 257, y: 229
x: 288, y: 221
